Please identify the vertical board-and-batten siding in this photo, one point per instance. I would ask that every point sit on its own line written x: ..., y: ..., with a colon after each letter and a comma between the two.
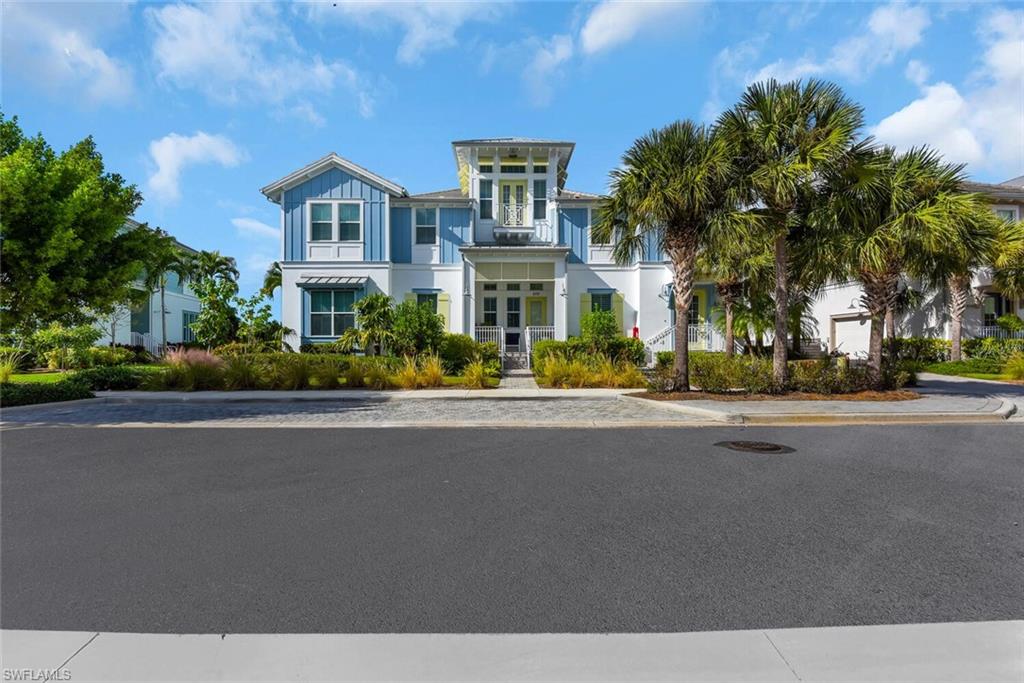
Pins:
x: 572, y: 233
x: 454, y: 224
x: 335, y: 184
x: 401, y: 234
x: 652, y: 252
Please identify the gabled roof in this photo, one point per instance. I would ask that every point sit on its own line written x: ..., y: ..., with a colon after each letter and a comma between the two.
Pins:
x: 565, y: 194
x: 455, y: 193
x: 997, y: 191
x: 132, y: 224
x: 332, y: 160
x: 1015, y: 182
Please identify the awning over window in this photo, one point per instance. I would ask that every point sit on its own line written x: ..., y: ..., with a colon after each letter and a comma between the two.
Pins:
x: 331, y: 282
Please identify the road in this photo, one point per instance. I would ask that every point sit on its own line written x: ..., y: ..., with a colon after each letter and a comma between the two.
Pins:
x: 255, y: 530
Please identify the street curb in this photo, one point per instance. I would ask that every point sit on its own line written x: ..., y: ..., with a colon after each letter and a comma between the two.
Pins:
x: 50, y: 404
x: 706, y: 413
x: 364, y: 395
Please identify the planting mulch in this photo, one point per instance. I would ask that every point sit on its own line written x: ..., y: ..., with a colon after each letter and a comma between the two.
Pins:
x: 895, y: 395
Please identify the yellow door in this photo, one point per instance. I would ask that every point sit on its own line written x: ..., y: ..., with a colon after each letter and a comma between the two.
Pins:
x: 513, y: 202
x: 536, y: 311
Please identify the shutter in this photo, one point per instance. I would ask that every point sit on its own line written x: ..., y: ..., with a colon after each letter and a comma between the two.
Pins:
x: 410, y: 296
x: 444, y: 308
x: 584, y: 304
x: 618, y: 302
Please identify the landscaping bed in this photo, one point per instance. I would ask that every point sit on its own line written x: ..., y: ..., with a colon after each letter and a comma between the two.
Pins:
x: 894, y: 395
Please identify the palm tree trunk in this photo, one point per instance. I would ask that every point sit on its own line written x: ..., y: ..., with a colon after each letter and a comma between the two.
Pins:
x: 163, y: 322
x: 879, y: 295
x: 781, y: 310
x: 683, y: 253
x: 725, y: 294
x: 958, y: 296
x: 890, y: 324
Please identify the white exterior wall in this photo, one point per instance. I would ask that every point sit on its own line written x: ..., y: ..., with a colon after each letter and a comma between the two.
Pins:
x: 447, y: 278
x: 174, y: 304
x: 378, y: 280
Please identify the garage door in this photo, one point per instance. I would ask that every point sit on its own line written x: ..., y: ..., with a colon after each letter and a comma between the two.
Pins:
x: 852, y: 335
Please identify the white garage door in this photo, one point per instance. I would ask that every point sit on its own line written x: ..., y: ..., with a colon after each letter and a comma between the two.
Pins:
x: 852, y: 335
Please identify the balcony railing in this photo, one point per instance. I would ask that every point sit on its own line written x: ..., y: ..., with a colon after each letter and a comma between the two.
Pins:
x: 535, y: 334
x: 999, y: 333
x: 513, y: 215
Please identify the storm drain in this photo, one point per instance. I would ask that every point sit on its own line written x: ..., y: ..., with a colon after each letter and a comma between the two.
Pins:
x: 765, y: 447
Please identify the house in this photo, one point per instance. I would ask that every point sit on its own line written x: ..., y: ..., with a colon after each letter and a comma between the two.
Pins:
x: 844, y: 324
x: 507, y: 256
x: 140, y: 325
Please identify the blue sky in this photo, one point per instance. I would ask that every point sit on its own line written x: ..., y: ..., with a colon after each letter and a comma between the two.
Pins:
x: 201, y: 105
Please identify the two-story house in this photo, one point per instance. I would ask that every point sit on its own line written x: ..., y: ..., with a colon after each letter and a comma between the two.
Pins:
x: 507, y: 256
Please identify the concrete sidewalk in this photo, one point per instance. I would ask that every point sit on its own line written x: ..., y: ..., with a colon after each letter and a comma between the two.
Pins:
x: 974, y: 651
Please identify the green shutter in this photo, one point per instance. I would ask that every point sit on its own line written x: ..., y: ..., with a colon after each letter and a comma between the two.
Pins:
x: 444, y: 308
x: 410, y: 296
x: 618, y: 302
x: 585, y: 304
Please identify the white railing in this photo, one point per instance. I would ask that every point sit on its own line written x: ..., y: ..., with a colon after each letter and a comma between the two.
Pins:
x: 512, y: 215
x: 999, y: 333
x: 146, y: 341
x: 535, y: 334
x: 492, y: 334
x: 543, y: 232
x: 700, y: 337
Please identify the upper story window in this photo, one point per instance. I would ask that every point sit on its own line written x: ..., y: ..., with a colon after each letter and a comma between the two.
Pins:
x: 540, y: 168
x: 426, y: 226
x: 486, y: 165
x: 540, y: 201
x: 486, y: 199
x: 513, y: 165
x: 335, y: 221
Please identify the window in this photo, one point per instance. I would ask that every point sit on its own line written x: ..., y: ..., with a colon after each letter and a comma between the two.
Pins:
x: 994, y: 306
x: 426, y: 226
x: 330, y: 312
x: 513, y: 167
x: 512, y: 287
x: 486, y: 165
x: 693, y: 315
x: 348, y: 222
x: 427, y: 300
x: 1007, y: 214
x: 512, y: 311
x: 536, y: 286
x: 601, y: 301
x: 140, y: 318
x: 486, y: 199
x: 490, y: 287
x: 491, y: 311
x: 540, y: 199
x: 540, y: 168
x: 188, y: 335
x: 321, y: 229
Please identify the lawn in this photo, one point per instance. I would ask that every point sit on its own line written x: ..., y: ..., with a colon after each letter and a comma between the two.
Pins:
x: 51, y: 376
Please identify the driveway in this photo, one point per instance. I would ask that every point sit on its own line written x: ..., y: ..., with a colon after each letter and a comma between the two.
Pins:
x: 508, y: 530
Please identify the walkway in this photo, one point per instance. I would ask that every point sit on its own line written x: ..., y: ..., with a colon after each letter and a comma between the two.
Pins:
x: 518, y: 379
x: 976, y: 651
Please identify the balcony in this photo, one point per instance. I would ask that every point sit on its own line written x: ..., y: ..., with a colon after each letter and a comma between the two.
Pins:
x: 513, y: 228
x: 513, y: 215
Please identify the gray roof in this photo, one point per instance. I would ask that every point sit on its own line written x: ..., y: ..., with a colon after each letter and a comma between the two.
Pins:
x: 512, y: 141
x: 1015, y: 182
x: 455, y: 193
x: 997, y: 191
x: 333, y: 281
x: 576, y: 194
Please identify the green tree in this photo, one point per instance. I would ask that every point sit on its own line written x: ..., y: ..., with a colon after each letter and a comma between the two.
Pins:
x: 255, y: 320
x: 417, y: 329
x: 272, y: 279
x: 731, y: 264
x: 211, y: 264
x: 375, y: 321
x: 166, y: 258
x: 673, y: 185
x: 69, y: 250
x: 217, y: 321
x: 786, y: 135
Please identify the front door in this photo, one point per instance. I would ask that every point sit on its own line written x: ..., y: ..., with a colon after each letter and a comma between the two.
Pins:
x: 513, y: 202
x: 536, y: 311
x: 513, y: 320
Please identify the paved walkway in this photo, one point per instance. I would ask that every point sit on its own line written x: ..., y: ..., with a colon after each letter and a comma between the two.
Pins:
x: 979, y: 651
x: 518, y: 379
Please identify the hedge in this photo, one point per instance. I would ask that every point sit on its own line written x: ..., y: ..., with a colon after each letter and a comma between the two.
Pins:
x: 989, y: 347
x: 24, y: 394
x: 619, y: 349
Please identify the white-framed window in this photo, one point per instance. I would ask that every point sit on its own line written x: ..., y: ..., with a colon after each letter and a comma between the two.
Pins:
x: 490, y: 286
x: 491, y: 311
x: 540, y: 168
x: 601, y: 301
x: 188, y: 335
x: 427, y: 299
x: 1007, y: 214
x: 330, y: 312
x: 486, y: 165
x: 512, y: 311
x: 335, y: 220
x: 426, y: 226
x: 486, y: 199
x: 540, y: 199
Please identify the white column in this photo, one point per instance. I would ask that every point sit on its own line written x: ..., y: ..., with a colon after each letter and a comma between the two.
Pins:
x: 469, y: 297
x: 561, y: 301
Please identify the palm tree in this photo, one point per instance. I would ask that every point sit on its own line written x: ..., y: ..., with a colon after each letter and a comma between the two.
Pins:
x: 1008, y: 265
x: 211, y: 264
x: 895, y: 214
x: 729, y: 264
x: 165, y: 258
x: 375, y: 317
x: 786, y: 135
x: 673, y: 185
x: 272, y: 279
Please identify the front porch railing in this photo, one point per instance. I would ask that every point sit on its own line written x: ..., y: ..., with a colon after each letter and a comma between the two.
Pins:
x: 146, y: 341
x: 535, y: 334
x: 997, y: 332
x: 493, y: 334
x: 512, y: 215
x: 703, y: 337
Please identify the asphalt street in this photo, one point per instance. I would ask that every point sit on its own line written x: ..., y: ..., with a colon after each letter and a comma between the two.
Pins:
x: 189, y: 530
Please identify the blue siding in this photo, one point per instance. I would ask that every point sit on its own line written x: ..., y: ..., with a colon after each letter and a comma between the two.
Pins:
x: 335, y: 184
x: 401, y: 235
x: 454, y: 227
x: 651, y: 250
x: 572, y: 233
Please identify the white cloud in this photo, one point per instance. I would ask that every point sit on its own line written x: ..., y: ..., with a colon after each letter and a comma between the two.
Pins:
x: 981, y: 124
x: 244, y: 52
x: 891, y: 30
x: 729, y: 66
x: 57, y: 47
x: 428, y: 26
x: 613, y: 22
x: 544, y: 71
x: 304, y: 111
x: 250, y: 227
x: 172, y: 153
x: 917, y: 72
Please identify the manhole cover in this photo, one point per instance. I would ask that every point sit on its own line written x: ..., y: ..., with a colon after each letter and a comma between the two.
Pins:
x: 755, y: 447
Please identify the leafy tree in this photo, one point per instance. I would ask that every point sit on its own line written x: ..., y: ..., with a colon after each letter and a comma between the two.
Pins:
x: 417, y: 329
x: 255, y: 320
x: 216, y: 322
x: 64, y: 346
x: 272, y: 279
x: 598, y: 330
x: 1008, y: 265
x: 68, y: 249
x: 118, y: 313
x: 731, y: 264
x: 167, y: 257
x: 375, y: 320
x: 673, y: 185
x: 786, y: 135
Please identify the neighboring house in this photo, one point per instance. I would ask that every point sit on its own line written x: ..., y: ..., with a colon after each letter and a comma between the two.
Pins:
x: 507, y: 256
x: 843, y: 323
x: 140, y: 326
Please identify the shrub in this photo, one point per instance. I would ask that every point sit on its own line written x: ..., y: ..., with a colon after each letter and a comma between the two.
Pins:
x: 327, y: 372
x: 475, y: 375
x: 191, y: 370
x: 973, y: 366
x: 377, y: 376
x: 606, y: 373
x: 431, y: 372
x: 18, y: 358
x: 578, y: 374
x: 457, y: 350
x: 664, y: 359
x: 113, y: 378
x: 545, y: 349
x: 628, y: 350
x: 755, y: 376
x: 989, y: 347
x: 65, y: 347
x: 417, y: 329
x: 18, y: 394
x: 245, y: 372
x: 553, y: 371
x: 488, y: 354
x: 108, y: 356
x: 598, y: 329
x: 408, y: 376
x: 1015, y: 366
x: 292, y: 372
x: 324, y: 348
x: 630, y: 377
x: 1010, y: 322
x: 923, y: 349
x: 355, y: 374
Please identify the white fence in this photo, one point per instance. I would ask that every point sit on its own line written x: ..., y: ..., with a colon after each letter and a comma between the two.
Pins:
x: 534, y: 335
x: 701, y: 338
x: 494, y: 335
x: 147, y: 342
x: 999, y: 333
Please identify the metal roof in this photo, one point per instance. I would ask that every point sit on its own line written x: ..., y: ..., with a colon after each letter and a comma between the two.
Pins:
x: 455, y: 193
x: 513, y: 141
x: 331, y: 281
x: 576, y: 194
x: 332, y: 160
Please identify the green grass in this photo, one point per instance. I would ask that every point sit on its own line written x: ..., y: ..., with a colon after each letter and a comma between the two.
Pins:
x: 51, y: 376
x: 458, y: 381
